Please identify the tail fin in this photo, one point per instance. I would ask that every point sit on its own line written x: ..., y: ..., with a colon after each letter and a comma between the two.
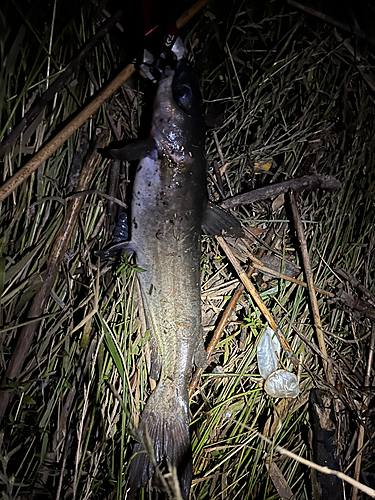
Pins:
x: 164, y: 434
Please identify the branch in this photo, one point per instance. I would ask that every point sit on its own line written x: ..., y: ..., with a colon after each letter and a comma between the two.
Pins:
x: 310, y: 286
x: 310, y: 182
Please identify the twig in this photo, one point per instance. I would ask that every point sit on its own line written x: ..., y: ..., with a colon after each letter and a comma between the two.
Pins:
x: 223, y: 321
x: 268, y: 270
x: 247, y: 283
x: 354, y: 303
x: 356, y: 283
x: 315, y: 181
x: 310, y: 285
x: 188, y: 14
x: 258, y: 300
x: 108, y: 15
x: 217, y: 334
x: 365, y: 401
x: 303, y: 337
x: 324, y: 470
x: 58, y: 251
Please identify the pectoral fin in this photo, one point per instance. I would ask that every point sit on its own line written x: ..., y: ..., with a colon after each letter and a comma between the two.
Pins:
x: 219, y: 222
x: 122, y: 248
x: 134, y: 150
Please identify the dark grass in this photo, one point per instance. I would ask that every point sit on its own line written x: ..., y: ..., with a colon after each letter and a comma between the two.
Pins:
x: 279, y: 87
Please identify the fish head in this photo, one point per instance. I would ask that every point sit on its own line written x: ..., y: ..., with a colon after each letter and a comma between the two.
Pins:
x: 178, y: 125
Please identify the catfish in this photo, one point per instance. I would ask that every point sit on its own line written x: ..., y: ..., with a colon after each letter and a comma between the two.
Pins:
x: 169, y: 209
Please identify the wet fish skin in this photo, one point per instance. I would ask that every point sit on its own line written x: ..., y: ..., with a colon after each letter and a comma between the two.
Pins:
x: 169, y: 199
x: 169, y: 209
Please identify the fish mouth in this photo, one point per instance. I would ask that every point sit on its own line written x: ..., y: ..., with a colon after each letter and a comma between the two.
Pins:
x: 178, y: 115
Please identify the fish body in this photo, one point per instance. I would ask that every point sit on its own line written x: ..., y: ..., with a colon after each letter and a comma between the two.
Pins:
x: 169, y: 199
x: 169, y: 208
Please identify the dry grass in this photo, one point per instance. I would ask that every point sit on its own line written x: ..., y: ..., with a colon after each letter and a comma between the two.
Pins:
x: 280, y: 87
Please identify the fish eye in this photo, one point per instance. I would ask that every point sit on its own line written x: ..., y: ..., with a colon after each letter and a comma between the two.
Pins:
x: 184, y: 93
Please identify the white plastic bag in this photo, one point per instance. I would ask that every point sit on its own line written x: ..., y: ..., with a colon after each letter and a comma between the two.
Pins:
x: 282, y: 384
x: 267, y: 359
x: 279, y: 383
